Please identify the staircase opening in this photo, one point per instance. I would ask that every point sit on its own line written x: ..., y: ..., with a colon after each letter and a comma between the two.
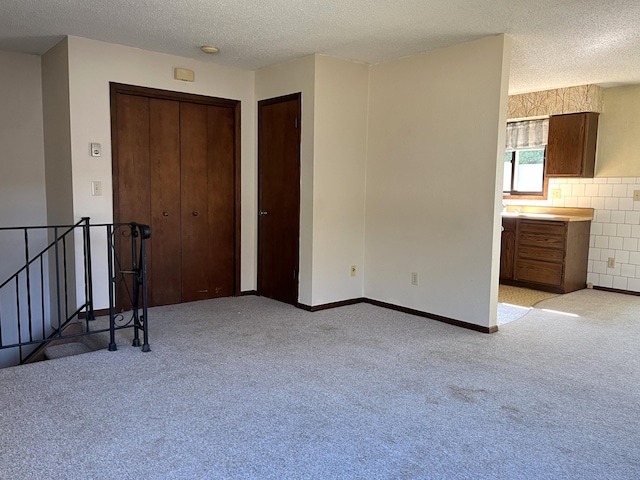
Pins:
x: 50, y: 299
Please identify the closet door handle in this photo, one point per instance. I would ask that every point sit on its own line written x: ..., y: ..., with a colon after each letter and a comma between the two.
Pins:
x: 263, y: 213
x: 195, y: 214
x: 165, y: 214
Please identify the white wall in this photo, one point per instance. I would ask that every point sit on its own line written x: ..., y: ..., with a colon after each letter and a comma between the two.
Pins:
x: 92, y: 65
x: 339, y: 170
x: 434, y: 178
x: 619, y: 133
x: 282, y: 79
x: 57, y: 134
x: 22, y: 180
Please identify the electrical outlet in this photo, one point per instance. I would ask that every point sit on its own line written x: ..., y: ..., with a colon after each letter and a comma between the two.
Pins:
x: 415, y: 279
x: 353, y: 270
x: 636, y: 195
x: 556, y: 193
x: 612, y: 262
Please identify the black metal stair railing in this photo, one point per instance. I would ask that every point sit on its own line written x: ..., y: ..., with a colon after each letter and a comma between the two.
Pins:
x: 40, y: 299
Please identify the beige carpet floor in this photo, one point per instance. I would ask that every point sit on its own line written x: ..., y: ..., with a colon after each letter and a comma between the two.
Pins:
x: 524, y: 297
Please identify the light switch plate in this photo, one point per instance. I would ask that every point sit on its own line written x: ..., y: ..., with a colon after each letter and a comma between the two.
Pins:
x: 556, y: 193
x: 96, y: 188
x: 636, y: 195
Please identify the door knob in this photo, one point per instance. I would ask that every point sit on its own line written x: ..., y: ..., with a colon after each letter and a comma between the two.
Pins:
x: 165, y: 214
x: 195, y: 214
x: 263, y: 213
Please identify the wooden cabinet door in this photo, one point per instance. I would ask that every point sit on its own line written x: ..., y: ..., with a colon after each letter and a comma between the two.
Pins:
x: 508, y: 248
x: 571, y: 147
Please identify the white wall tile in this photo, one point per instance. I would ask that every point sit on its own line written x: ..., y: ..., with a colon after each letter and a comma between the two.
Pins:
x: 572, y: 180
x: 628, y: 270
x: 625, y: 204
x: 593, y: 278
x: 602, y: 241
x: 633, y: 284
x: 590, y: 265
x: 606, y: 281
x: 584, y: 202
x: 614, y: 271
x: 624, y: 230
x: 632, y: 218
x: 620, y: 190
x: 630, y: 244
x: 603, y: 216
x: 566, y: 190
x: 628, y: 179
x: 577, y: 190
x: 630, y: 189
x: 591, y: 190
x: 600, y: 180
x: 596, y: 228
x: 617, y: 216
x: 592, y: 241
x: 622, y: 256
x: 611, y: 203
x: 605, y: 253
x: 573, y: 201
x: 586, y: 180
x: 599, y: 266
x: 634, y: 258
x: 610, y: 229
x: 636, y: 206
x: 605, y: 190
x: 595, y: 253
x: 615, y: 243
x: 620, y: 283
x: 597, y: 203
x: 635, y: 231
x: 614, y: 180
x: 557, y: 202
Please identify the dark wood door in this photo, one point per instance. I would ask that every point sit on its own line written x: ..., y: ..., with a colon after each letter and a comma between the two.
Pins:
x: 279, y: 197
x: 174, y: 166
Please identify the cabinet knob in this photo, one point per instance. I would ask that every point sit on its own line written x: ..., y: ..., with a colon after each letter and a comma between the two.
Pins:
x: 165, y: 214
x: 263, y: 213
x: 195, y: 214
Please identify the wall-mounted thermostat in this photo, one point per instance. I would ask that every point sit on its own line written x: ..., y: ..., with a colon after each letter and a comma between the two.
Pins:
x: 96, y: 150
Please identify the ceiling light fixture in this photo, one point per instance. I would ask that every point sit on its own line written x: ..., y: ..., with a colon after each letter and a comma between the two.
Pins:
x: 210, y: 49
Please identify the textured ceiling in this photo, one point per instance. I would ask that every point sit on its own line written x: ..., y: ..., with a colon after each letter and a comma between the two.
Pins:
x: 557, y: 43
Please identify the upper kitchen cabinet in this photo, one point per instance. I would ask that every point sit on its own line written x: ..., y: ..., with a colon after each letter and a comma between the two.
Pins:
x: 571, y: 149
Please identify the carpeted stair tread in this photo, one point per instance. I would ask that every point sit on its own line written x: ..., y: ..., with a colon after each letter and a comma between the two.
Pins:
x: 66, y: 350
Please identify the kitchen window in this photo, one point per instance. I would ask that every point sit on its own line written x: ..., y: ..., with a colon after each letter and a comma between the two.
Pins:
x: 524, y: 159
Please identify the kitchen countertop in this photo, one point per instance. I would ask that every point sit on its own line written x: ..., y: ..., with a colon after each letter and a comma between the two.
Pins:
x: 559, y: 214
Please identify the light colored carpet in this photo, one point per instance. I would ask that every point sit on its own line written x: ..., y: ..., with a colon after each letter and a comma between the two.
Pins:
x: 524, y: 297
x: 251, y: 388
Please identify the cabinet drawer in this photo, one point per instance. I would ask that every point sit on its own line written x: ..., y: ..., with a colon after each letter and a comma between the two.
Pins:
x: 539, y: 272
x: 541, y: 240
x: 543, y: 227
x: 544, y: 254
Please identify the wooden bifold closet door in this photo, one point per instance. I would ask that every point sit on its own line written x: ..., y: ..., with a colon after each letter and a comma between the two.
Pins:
x: 175, y: 168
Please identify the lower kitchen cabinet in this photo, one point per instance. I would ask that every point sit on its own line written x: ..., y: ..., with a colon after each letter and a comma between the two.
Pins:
x: 547, y: 255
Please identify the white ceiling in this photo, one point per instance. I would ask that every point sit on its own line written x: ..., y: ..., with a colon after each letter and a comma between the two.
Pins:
x: 557, y: 43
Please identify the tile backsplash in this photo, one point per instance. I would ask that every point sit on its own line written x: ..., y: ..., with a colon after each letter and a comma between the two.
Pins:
x: 615, y: 229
